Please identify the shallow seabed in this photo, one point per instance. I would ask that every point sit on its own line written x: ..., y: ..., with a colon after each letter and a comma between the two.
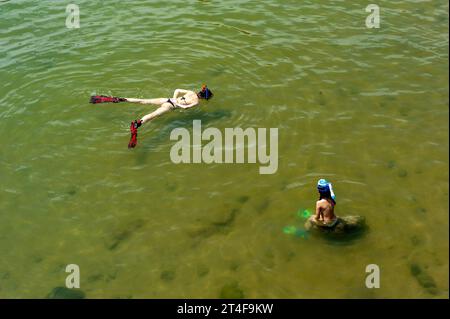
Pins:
x: 364, y: 108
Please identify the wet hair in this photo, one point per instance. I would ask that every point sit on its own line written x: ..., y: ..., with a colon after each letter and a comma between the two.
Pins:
x: 205, y: 93
x: 326, y: 195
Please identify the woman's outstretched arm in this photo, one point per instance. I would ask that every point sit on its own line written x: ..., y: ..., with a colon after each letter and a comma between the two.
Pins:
x: 178, y: 91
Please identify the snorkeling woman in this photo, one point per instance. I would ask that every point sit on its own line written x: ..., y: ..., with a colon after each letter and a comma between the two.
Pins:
x: 181, y: 99
x: 325, y: 205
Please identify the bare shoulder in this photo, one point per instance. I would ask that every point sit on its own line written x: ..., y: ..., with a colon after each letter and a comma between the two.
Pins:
x: 321, y: 203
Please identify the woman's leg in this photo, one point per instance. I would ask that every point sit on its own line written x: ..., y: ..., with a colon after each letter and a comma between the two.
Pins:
x: 164, y: 108
x: 158, y: 101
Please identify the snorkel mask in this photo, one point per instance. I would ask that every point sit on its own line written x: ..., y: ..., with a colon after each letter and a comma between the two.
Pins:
x: 205, y: 93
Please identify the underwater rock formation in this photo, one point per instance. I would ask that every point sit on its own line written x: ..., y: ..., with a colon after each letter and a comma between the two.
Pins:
x: 124, y: 233
x: 424, y: 279
x: 167, y: 275
x: 221, y: 223
x: 231, y: 291
x: 344, y: 225
x: 66, y: 293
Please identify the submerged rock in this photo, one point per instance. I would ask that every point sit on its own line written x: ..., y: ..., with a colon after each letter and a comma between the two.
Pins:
x: 243, y: 199
x: 403, y: 173
x: 234, y: 266
x: 5, y: 275
x: 221, y: 223
x: 95, y: 277
x: 122, y: 234
x: 416, y: 240
x: 225, y: 219
x: 421, y: 210
x: 391, y: 164
x: 344, y: 225
x: 202, y: 271
x: 171, y: 187
x: 38, y: 259
x: 424, y: 279
x: 71, y: 192
x: 263, y: 205
x: 202, y: 231
x: 66, y: 293
x: 231, y: 291
x: 168, y: 275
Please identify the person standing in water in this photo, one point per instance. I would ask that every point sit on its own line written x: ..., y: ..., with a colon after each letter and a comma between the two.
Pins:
x: 325, y: 205
x: 181, y: 99
x: 325, y: 221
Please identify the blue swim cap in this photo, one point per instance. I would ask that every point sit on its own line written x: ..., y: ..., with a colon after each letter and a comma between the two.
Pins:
x: 323, y: 186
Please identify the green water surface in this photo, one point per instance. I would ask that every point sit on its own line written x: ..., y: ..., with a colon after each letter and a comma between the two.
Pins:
x: 364, y: 108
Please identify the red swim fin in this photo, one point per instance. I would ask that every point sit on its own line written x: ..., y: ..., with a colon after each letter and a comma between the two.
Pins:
x: 105, y: 99
x: 133, y: 129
